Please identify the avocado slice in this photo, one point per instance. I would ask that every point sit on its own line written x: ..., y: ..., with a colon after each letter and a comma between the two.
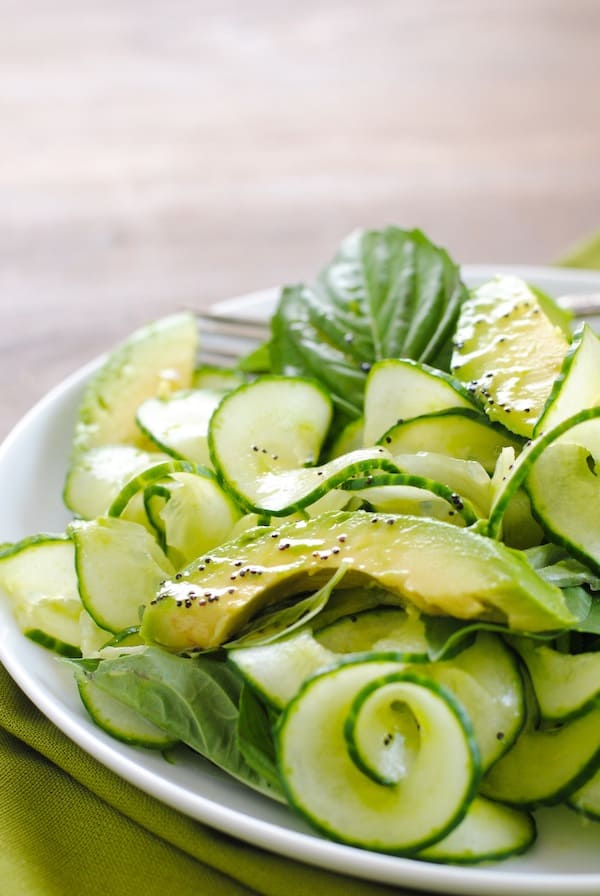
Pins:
x: 509, y: 351
x: 155, y: 360
x: 441, y: 569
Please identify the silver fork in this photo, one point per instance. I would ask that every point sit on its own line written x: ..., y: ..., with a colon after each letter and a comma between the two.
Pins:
x: 224, y: 338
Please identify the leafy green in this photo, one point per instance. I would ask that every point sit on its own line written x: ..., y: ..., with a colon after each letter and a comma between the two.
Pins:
x: 279, y: 621
x: 195, y: 700
x: 447, y: 636
x: 255, y: 737
x: 387, y: 293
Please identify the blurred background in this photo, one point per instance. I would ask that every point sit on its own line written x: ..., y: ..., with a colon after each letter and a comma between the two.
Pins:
x: 161, y: 155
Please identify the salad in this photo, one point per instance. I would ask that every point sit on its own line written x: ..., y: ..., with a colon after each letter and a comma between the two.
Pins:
x: 358, y: 572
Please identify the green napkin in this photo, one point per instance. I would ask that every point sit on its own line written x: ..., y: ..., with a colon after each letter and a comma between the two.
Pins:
x: 69, y: 825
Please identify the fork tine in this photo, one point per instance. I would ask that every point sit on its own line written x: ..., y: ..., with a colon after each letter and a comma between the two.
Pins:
x: 586, y: 304
x: 224, y: 340
x: 239, y: 327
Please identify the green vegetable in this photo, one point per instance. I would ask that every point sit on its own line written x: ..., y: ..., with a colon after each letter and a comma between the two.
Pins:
x: 195, y: 700
x: 387, y: 293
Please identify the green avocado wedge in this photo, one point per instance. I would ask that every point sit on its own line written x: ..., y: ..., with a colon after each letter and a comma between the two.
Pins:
x: 509, y: 352
x: 440, y: 569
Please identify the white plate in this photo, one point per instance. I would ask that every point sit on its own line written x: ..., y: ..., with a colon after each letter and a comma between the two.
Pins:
x: 566, y: 858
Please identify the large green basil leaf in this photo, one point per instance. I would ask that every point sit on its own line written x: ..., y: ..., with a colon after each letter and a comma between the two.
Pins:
x: 387, y: 294
x: 195, y: 700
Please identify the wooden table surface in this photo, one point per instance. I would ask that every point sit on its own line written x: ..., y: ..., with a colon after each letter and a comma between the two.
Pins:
x: 161, y: 155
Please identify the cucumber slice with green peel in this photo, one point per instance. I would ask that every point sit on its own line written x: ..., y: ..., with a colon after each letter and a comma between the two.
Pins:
x: 223, y: 379
x: 565, y: 685
x: 564, y: 490
x: 261, y: 437
x: 98, y: 475
x: 128, y: 637
x: 519, y: 528
x: 460, y: 433
x: 399, y: 389
x: 92, y: 637
x: 178, y: 424
x: 277, y: 671
x: 485, y: 679
x: 403, y: 555
x: 545, y: 766
x: 351, y: 438
x: 282, y: 492
x: 586, y: 800
x: 576, y: 388
x: 509, y: 352
x: 129, y: 503
x: 380, y: 630
x: 120, y: 721
x: 351, y: 710
x: 119, y: 567
x: 489, y: 832
x: 466, y: 477
x: 157, y: 359
x: 372, y: 488
x: 523, y: 465
x: 37, y: 575
x: 278, y: 408
x: 191, y: 514
x: 412, y: 501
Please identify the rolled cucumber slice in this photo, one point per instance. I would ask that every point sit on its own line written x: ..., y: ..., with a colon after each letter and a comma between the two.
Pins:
x: 119, y: 567
x: 277, y: 671
x: 399, y: 389
x: 191, y: 514
x: 129, y: 503
x: 350, y: 711
x: 37, y: 575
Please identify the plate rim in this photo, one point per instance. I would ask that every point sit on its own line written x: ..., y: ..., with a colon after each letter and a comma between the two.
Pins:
x: 309, y: 848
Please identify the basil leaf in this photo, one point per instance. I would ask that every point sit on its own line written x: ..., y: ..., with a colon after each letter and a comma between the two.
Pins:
x: 280, y: 620
x: 388, y: 293
x: 196, y: 700
x: 255, y: 737
x: 447, y: 636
